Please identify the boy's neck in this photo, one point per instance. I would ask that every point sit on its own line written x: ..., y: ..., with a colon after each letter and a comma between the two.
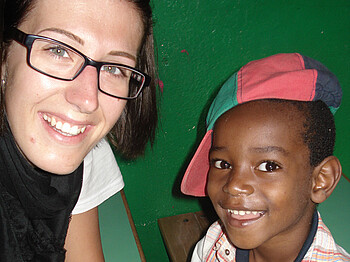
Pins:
x: 291, y: 248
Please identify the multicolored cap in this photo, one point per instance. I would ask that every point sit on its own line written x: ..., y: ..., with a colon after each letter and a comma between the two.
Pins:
x: 282, y: 76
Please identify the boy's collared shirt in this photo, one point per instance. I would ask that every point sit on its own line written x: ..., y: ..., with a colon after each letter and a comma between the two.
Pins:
x: 216, y: 247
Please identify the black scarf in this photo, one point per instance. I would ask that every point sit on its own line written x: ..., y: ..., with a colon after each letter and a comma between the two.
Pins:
x: 35, y: 207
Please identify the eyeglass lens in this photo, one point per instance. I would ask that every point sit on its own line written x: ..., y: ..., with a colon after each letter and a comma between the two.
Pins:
x: 62, y: 62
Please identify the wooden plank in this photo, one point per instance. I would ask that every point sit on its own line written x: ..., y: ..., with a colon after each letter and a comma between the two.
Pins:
x: 133, y: 228
x: 181, y: 233
x: 203, y: 221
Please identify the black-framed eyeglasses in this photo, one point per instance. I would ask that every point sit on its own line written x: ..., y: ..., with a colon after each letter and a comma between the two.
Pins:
x: 61, y: 61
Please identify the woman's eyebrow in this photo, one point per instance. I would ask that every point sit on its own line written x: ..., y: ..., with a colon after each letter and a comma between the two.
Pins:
x: 124, y: 54
x: 64, y: 32
x: 81, y: 42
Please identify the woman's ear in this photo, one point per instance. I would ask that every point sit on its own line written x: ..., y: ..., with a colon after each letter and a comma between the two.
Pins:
x: 325, y: 177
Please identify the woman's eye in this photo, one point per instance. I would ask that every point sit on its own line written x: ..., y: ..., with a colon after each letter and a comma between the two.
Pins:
x: 111, y: 69
x: 221, y: 164
x: 59, y: 51
x: 268, y: 166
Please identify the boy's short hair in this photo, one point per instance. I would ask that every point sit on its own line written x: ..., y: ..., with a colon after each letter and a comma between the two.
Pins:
x: 318, y: 132
x: 291, y: 78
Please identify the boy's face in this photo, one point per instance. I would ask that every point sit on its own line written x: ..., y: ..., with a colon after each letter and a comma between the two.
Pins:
x: 260, y: 178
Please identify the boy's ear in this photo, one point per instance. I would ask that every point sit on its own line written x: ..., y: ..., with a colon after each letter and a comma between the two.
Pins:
x: 325, y: 177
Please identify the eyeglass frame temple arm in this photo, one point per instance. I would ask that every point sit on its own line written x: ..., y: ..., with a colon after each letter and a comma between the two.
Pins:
x: 15, y: 34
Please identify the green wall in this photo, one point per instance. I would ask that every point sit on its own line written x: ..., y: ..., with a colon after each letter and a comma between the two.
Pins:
x: 200, y: 44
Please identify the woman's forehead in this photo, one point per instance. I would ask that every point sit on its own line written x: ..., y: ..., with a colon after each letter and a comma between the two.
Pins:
x: 113, y: 26
x: 77, y: 13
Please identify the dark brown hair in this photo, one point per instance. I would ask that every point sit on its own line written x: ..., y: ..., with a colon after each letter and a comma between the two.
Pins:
x: 137, y: 124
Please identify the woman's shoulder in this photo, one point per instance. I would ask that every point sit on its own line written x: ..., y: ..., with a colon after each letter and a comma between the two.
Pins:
x: 101, y: 179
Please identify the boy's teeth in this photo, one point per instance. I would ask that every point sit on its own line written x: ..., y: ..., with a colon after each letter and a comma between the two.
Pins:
x: 65, y: 128
x: 242, y: 212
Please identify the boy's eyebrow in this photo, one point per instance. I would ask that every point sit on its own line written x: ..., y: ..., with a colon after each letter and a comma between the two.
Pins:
x: 268, y: 149
x: 216, y: 148
x: 265, y: 149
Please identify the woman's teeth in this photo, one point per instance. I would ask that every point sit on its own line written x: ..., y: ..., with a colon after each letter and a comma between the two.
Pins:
x: 64, y: 128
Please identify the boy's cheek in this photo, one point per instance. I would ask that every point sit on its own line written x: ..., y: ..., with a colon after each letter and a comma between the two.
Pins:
x: 212, y: 187
x: 214, y: 191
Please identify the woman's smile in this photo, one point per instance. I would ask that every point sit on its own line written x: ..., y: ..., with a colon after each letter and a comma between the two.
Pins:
x: 56, y: 122
x: 64, y: 128
x: 69, y: 132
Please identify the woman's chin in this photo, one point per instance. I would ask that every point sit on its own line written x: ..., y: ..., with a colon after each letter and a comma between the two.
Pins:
x: 61, y: 170
x: 58, y: 167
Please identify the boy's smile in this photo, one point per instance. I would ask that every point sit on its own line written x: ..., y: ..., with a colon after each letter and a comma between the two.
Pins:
x: 260, y: 177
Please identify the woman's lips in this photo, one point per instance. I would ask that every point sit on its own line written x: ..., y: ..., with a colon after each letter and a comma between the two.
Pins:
x: 64, y: 128
x: 67, y: 131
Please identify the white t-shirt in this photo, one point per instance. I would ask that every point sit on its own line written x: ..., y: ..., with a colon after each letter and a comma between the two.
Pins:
x: 101, y: 178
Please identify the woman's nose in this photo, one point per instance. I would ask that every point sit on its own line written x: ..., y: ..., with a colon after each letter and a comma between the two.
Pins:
x: 83, y: 91
x: 239, y: 183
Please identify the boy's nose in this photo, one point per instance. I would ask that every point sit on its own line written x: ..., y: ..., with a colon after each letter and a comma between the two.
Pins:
x: 83, y: 91
x: 238, y: 183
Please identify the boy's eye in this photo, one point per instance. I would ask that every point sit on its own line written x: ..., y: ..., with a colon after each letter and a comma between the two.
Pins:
x: 221, y: 164
x: 268, y: 166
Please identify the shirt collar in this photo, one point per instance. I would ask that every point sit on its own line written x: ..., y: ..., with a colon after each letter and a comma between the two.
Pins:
x: 242, y: 255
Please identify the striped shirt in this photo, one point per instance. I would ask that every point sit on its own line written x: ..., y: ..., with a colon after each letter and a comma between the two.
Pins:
x: 215, y: 247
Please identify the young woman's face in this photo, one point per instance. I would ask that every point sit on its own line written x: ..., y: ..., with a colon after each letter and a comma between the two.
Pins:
x: 104, y: 31
x: 260, y: 177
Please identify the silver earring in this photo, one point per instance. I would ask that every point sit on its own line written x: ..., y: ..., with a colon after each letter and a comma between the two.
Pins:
x: 3, y: 82
x: 2, y: 86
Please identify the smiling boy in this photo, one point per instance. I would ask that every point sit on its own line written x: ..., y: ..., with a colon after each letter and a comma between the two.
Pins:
x: 267, y: 161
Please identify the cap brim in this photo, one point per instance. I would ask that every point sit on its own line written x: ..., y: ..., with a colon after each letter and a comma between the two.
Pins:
x: 195, y: 179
